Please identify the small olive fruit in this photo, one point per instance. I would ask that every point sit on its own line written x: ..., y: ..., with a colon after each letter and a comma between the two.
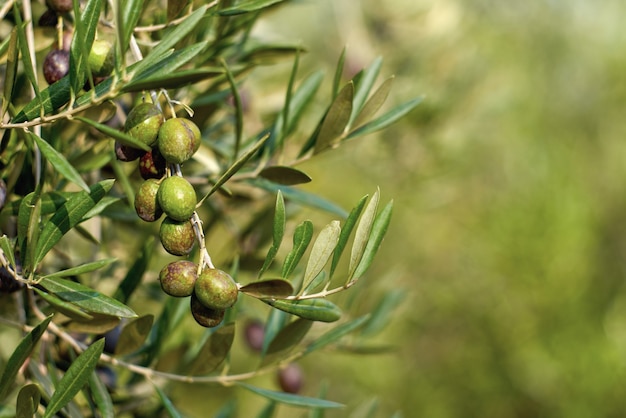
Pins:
x: 152, y: 165
x: 143, y: 123
x: 56, y: 65
x: 177, y: 198
x: 178, y: 278
x: 60, y: 6
x: 204, y: 316
x: 215, y: 289
x: 255, y: 334
x: 177, y: 237
x: 146, y: 204
x: 126, y: 153
x: 290, y: 378
x: 178, y: 140
x: 101, y: 58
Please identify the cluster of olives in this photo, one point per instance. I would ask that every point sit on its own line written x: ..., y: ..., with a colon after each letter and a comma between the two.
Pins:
x: 163, y: 192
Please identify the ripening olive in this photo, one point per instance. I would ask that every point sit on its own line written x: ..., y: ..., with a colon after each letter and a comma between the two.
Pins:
x: 290, y: 378
x: 60, y: 6
x: 152, y: 165
x: 125, y: 153
x: 204, y: 316
x: 146, y: 204
x: 177, y: 237
x: 178, y: 140
x: 56, y: 65
x: 101, y: 58
x: 255, y: 334
x: 177, y: 198
x: 143, y: 123
x: 215, y: 289
x: 178, y: 278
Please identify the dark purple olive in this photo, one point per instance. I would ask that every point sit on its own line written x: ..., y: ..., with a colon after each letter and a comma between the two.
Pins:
x: 56, y: 65
x: 290, y: 378
x: 126, y: 153
x: 60, y: 6
x: 255, y: 334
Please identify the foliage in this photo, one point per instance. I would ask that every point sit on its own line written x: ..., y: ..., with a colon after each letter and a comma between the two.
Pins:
x: 70, y: 236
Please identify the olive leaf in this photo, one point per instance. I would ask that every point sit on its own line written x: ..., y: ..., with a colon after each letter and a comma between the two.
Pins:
x: 59, y: 162
x: 290, y: 398
x: 278, y: 232
x: 379, y: 228
x: 270, y: 288
x: 286, y: 340
x: 133, y: 335
x: 321, y: 251
x: 101, y: 396
x: 336, y: 120
x: 28, y: 400
x: 301, y: 238
x: 284, y: 175
x: 316, y: 309
x: 363, y: 232
x: 214, y: 351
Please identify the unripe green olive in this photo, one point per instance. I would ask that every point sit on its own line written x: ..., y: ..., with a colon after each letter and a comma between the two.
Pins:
x: 177, y: 198
x: 101, y: 58
x: 178, y: 140
x: 146, y: 204
x: 152, y: 165
x: 215, y: 289
x: 143, y: 123
x: 178, y: 278
x: 204, y: 316
x: 177, y: 237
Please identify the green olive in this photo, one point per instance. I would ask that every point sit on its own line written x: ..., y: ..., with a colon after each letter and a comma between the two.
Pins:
x: 146, y: 204
x: 177, y: 198
x: 178, y: 278
x: 143, y: 123
x: 177, y: 237
x: 101, y: 58
x: 215, y: 289
x: 178, y: 140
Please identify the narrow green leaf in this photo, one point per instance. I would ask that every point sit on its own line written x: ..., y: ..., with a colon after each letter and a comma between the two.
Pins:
x: 317, y: 282
x: 270, y: 288
x: 321, y: 251
x: 363, y: 232
x: 335, y: 120
x: 373, y: 104
x: 7, y: 249
x: 32, y: 236
x: 171, y: 62
x: 167, y: 403
x: 172, y: 80
x: 382, y: 314
x: 248, y: 6
x: 100, y: 207
x: 286, y: 340
x: 376, y: 237
x: 59, y: 162
x: 238, y: 109
x: 75, y: 378
x: 52, y: 98
x: 268, y: 411
x: 235, y: 167
x: 50, y: 203
x: 133, y: 335
x: 338, y: 73
x: 386, y: 119
x: 101, y: 396
x: 276, y: 320
x: 134, y: 275
x: 290, y: 398
x: 214, y: 351
x: 321, y: 310
x: 174, y: 7
x: 115, y: 134
x: 128, y: 13
x: 10, y: 72
x: 336, y: 333
x: 27, y: 63
x: 319, y: 412
x: 28, y: 401
x: 364, y: 87
x: 278, y: 232
x: 346, y: 230
x: 301, y: 239
x: 23, y: 221
x: 86, y: 298
x: 68, y: 216
x: 85, y: 27
x: 288, y: 176
x: 83, y: 268
x: 66, y: 308
x: 21, y: 353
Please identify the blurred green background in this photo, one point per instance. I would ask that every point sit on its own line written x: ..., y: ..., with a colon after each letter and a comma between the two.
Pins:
x: 508, y: 232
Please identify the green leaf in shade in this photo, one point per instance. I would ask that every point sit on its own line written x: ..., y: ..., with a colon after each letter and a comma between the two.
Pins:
x: 50, y: 203
x: 278, y: 232
x: 171, y: 314
x: 7, y: 248
x: 99, y: 324
x: 373, y: 104
x: 13, y: 57
x: 317, y: 309
x: 172, y: 80
x: 317, y: 282
x: 134, y: 275
x: 284, y: 175
x: 300, y: 196
x: 288, y: 95
x: 301, y: 239
x: 75, y: 378
x: 59, y: 162
x: 26, y: 207
x: 66, y: 308
x: 115, y: 134
x: 174, y: 7
x: 338, y: 73
x: 364, y: 87
x: 248, y: 6
x: 85, y: 28
x: 167, y: 404
x: 321, y: 251
x: 381, y: 315
x: 235, y: 167
x: 19, y: 356
x: 133, y: 335
x: 170, y: 39
x: 128, y: 13
x: 319, y: 412
x: 336, y: 333
x: 86, y: 298
x: 346, y: 230
x: 104, y: 203
x: 52, y: 98
x: 268, y: 411
x: 238, y: 109
x: 336, y: 120
x: 362, y: 233
x: 270, y: 288
x: 28, y: 400
x: 214, y: 351
x: 68, y: 216
x: 290, y: 398
x: 23, y: 44
x: 385, y: 120
x: 378, y: 233
x: 101, y: 396
x: 286, y: 340
x: 32, y: 235
x: 83, y: 268
x: 276, y: 320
